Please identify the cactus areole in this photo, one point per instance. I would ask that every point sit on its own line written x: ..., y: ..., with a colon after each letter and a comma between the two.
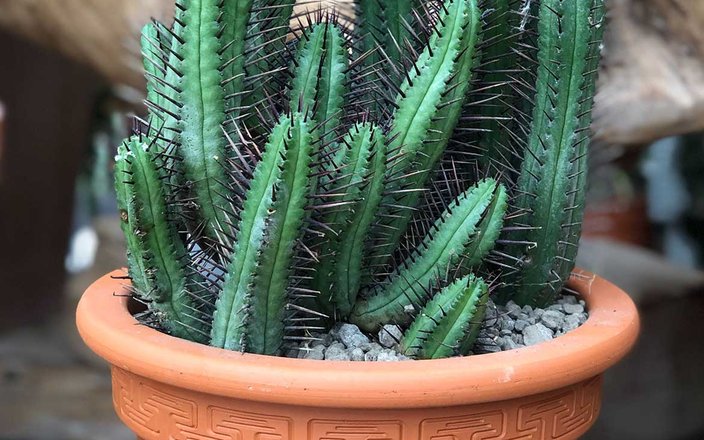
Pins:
x: 398, y: 166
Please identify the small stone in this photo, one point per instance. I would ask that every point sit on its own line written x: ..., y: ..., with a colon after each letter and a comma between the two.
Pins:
x: 537, y: 333
x: 573, y: 309
x: 351, y: 336
x: 387, y: 356
x: 506, y: 323
x: 514, y: 310
x: 357, y: 355
x: 485, y: 341
x: 532, y: 320
x: 538, y: 313
x: 506, y: 332
x: 507, y: 344
x: 569, y: 299
x: 583, y: 318
x: 317, y: 353
x: 556, y: 307
x: 552, y: 319
x: 409, y: 308
x: 485, y: 349
x: 571, y: 323
x: 337, y: 352
x: 528, y: 310
x: 324, y: 339
x: 521, y: 324
x: 390, y: 335
x: 371, y: 356
x: 518, y: 339
x: 370, y: 346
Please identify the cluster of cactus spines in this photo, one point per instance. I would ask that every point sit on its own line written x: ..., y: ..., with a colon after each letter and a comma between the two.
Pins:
x: 550, y: 190
x: 286, y: 178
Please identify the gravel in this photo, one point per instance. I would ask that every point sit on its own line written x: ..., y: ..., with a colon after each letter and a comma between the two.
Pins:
x: 505, y: 328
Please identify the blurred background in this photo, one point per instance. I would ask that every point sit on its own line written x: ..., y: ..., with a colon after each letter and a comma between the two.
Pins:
x: 70, y: 71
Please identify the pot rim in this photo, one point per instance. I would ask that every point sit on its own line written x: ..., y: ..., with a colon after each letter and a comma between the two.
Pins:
x: 114, y: 334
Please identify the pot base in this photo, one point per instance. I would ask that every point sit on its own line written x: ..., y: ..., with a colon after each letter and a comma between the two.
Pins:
x: 155, y: 411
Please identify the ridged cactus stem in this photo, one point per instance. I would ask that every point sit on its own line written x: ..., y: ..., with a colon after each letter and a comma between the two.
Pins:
x: 448, y: 325
x: 439, y: 253
x: 551, y: 187
x: 155, y: 250
x: 428, y: 108
x: 202, y: 112
x: 250, y: 311
x: 360, y: 178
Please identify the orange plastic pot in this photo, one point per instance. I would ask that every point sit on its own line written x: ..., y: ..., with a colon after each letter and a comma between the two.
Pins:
x: 167, y: 388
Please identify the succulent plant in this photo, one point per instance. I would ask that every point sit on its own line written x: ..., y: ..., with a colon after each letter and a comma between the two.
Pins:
x: 287, y: 178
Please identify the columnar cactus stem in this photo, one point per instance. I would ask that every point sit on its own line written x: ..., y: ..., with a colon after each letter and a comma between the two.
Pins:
x: 551, y: 185
x: 250, y: 311
x: 360, y: 178
x: 156, y: 252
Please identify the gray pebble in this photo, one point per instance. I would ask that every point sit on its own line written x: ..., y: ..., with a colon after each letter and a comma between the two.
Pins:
x: 371, y: 346
x: 571, y: 323
x: 538, y: 313
x: 317, y: 353
x: 573, y: 309
x: 387, y: 356
x: 487, y: 349
x: 556, y: 307
x: 371, y: 356
x: 506, y: 323
x: 390, y: 335
x: 507, y: 343
x: 521, y: 324
x: 527, y: 310
x: 514, y: 310
x: 518, y: 339
x: 357, y: 354
x: 569, y: 299
x: 336, y: 352
x: 583, y: 318
x: 537, y: 333
x: 552, y: 319
x: 351, y: 336
x: 485, y: 341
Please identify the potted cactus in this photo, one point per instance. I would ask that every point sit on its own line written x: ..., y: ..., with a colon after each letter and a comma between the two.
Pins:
x: 399, y: 167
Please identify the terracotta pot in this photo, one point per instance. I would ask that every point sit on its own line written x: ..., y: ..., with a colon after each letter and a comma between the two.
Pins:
x: 167, y: 388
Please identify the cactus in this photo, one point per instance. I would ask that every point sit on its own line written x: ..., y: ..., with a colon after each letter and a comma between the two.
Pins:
x: 550, y: 189
x: 286, y: 179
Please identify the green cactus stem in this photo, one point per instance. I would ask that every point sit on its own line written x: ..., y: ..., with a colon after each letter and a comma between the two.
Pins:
x: 439, y: 253
x: 448, y: 325
x: 250, y: 311
x: 360, y: 180
x: 155, y: 250
x: 427, y: 110
x: 551, y: 187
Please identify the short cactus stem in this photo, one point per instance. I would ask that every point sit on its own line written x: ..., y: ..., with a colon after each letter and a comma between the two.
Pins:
x: 449, y: 324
